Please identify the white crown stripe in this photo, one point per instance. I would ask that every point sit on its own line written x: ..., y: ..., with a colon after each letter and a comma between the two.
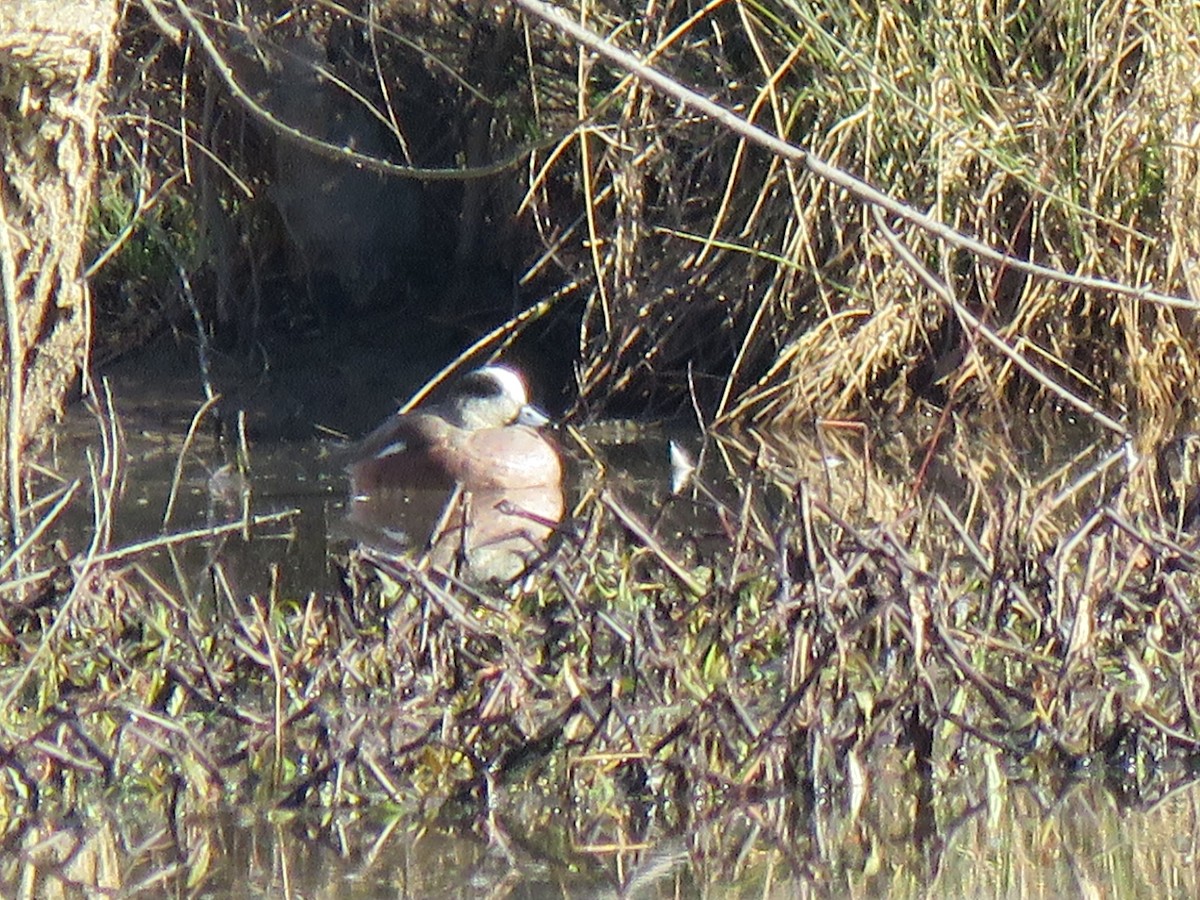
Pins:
x: 510, y: 383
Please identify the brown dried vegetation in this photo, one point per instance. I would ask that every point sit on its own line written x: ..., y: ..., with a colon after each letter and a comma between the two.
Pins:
x: 839, y: 599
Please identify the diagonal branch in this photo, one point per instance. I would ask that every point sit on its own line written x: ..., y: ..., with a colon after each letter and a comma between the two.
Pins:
x: 818, y: 167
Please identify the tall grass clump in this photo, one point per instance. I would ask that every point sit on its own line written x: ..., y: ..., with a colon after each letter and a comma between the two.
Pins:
x: 1058, y: 135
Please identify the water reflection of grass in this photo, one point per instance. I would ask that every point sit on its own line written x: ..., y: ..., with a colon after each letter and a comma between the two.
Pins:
x: 1017, y: 840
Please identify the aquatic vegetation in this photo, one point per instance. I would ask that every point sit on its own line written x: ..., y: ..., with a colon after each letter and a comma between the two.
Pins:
x: 771, y: 639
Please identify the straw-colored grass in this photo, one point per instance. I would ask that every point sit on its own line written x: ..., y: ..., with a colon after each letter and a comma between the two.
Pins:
x: 1055, y: 134
x: 867, y: 584
x: 694, y: 265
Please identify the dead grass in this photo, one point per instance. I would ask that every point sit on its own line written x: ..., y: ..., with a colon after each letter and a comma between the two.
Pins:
x: 671, y: 652
x: 693, y: 265
x: 864, y: 575
x: 1042, y: 134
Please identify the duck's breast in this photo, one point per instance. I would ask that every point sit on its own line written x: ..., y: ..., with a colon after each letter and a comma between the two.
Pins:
x: 512, y: 458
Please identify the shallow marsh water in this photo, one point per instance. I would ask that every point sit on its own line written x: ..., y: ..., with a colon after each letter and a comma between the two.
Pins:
x: 885, y: 837
x: 1016, y: 842
x: 298, y: 486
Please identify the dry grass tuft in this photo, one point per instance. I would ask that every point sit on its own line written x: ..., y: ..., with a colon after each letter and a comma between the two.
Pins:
x: 1044, y: 133
x: 688, y: 263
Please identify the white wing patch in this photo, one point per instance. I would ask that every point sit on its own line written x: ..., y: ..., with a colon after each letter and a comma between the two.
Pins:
x: 393, y: 449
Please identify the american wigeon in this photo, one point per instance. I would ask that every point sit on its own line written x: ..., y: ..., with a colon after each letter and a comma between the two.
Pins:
x: 483, y: 438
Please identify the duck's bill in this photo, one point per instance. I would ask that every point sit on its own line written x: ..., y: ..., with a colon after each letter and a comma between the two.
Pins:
x: 532, y: 416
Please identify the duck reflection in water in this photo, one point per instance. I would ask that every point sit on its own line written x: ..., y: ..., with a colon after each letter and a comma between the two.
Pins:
x: 479, y: 450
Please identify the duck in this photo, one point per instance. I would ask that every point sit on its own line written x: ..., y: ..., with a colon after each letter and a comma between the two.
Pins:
x: 481, y: 451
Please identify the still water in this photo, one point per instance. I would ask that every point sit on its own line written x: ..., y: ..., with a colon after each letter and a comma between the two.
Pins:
x: 1018, y: 842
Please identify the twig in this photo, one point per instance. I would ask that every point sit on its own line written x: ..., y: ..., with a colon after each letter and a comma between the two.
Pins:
x: 852, y: 185
x: 694, y: 586
x: 144, y: 205
x: 16, y: 386
x: 976, y: 326
x: 66, y: 494
x: 170, y: 540
x: 502, y: 335
x: 187, y: 443
x: 344, y: 153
